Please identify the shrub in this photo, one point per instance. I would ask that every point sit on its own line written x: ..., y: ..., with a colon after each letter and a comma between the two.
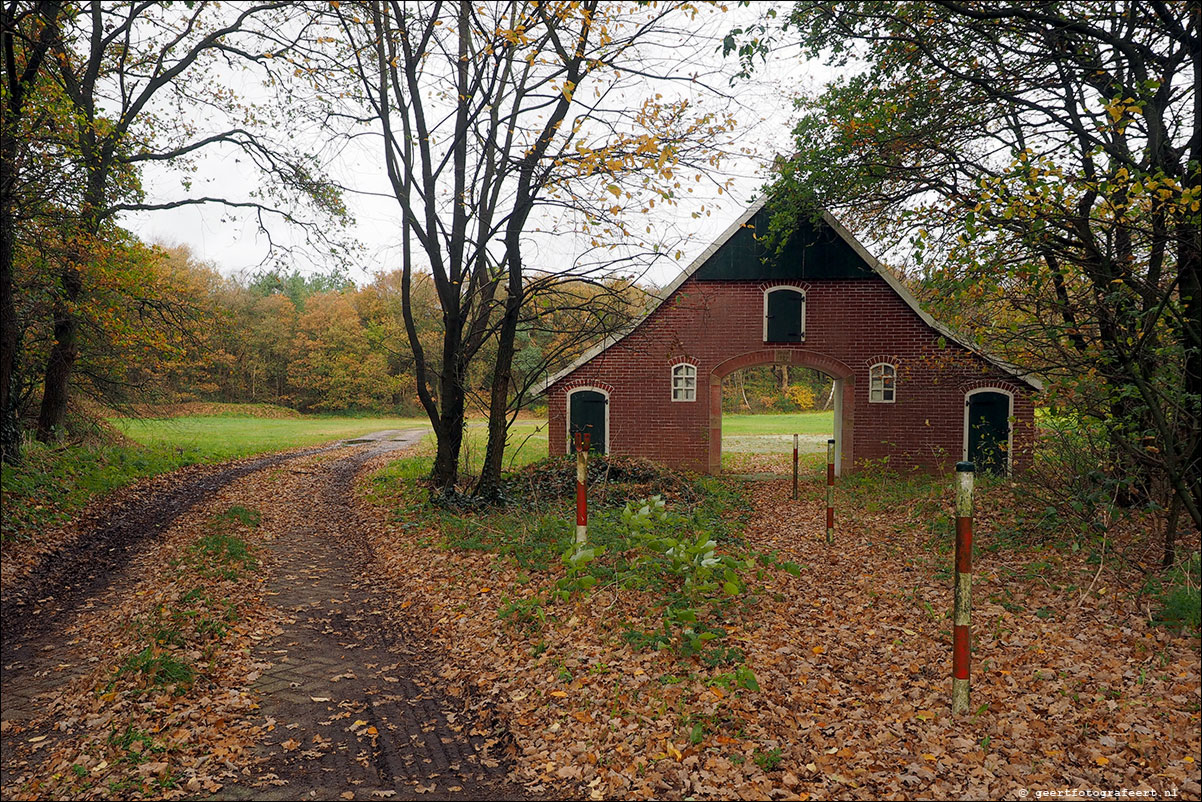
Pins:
x: 801, y: 397
x: 1180, y: 602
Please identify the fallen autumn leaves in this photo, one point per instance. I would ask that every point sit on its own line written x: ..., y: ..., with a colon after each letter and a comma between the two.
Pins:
x: 841, y: 691
x: 149, y: 694
x: 852, y: 658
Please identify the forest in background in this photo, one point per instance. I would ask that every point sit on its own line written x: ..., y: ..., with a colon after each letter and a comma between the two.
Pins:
x: 162, y: 327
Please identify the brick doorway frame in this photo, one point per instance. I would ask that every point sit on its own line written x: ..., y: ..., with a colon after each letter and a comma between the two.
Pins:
x: 845, y: 396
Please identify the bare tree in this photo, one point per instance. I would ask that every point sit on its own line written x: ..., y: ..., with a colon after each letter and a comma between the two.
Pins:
x: 502, y: 119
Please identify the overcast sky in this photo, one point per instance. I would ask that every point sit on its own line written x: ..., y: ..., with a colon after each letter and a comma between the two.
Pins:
x: 233, y: 243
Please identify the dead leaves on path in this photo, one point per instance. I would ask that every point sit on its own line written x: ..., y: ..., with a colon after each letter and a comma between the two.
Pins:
x: 1071, y: 687
x: 120, y: 735
x: 852, y: 659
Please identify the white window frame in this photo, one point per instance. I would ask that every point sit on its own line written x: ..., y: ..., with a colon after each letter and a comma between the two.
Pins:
x: 684, y: 371
x: 568, y: 415
x: 872, y: 379
x: 1009, y: 424
x: 804, y: 304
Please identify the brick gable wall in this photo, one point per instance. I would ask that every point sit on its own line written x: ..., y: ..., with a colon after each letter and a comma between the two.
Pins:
x: 849, y: 326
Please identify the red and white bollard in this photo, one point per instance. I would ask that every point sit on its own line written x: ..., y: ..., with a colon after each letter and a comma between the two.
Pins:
x: 830, y: 491
x: 582, y: 446
x: 962, y: 603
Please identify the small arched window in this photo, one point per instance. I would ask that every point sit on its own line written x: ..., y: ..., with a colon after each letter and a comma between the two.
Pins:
x: 784, y: 315
x: 882, y: 383
x: 684, y: 382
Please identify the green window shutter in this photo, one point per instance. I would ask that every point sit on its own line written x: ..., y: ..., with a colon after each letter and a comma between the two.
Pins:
x: 785, y: 316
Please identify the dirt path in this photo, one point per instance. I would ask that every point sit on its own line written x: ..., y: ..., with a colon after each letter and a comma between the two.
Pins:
x: 74, y: 578
x: 352, y: 702
x: 64, y: 579
x: 350, y: 707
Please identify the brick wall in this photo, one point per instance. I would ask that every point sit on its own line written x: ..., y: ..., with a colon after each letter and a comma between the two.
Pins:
x: 849, y: 326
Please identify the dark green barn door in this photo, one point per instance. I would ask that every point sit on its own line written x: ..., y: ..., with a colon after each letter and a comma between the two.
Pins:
x: 785, y: 316
x: 587, y: 414
x: 989, y: 431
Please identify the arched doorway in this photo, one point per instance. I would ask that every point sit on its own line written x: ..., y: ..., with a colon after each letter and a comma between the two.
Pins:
x: 844, y: 402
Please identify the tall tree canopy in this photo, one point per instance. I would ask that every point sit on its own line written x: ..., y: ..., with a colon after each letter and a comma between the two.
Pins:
x: 1042, y: 161
x: 27, y: 33
x: 98, y: 91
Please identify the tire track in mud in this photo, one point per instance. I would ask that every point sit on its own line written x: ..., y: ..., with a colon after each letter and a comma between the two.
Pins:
x: 351, y: 703
x: 82, y: 568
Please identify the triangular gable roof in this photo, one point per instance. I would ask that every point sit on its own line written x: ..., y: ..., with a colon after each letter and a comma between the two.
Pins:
x: 613, y: 339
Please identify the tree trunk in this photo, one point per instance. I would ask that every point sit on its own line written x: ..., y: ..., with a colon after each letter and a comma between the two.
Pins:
x: 452, y: 403
x: 10, y: 430
x: 449, y: 438
x: 489, y: 484
x: 55, y: 394
x: 1190, y: 290
x: 1170, y: 533
x: 16, y: 85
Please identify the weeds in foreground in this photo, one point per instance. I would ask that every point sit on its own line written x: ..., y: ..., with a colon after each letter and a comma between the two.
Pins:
x: 1178, y: 597
x: 686, y: 557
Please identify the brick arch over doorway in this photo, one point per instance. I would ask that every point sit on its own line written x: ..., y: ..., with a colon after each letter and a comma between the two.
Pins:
x: 845, y: 396
x: 852, y: 315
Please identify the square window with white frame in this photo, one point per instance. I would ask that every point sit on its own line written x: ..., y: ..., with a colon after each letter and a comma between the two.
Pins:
x: 882, y: 384
x: 684, y: 382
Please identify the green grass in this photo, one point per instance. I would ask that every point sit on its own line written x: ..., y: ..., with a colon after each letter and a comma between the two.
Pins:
x: 224, y: 437
x: 1177, y: 595
x: 790, y: 423
x: 52, y: 483
x: 527, y: 442
x: 56, y: 482
x: 773, y: 434
x: 691, y: 556
x: 221, y: 437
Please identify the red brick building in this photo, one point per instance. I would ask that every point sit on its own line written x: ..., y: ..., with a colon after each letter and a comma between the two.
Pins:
x: 905, y: 388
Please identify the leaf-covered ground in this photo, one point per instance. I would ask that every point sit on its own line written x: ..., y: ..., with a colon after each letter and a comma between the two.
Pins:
x: 146, y: 689
x: 247, y: 651
x: 1072, y: 686
x: 831, y: 679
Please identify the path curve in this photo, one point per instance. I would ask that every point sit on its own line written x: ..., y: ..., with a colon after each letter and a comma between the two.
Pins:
x: 351, y: 703
x: 354, y: 703
x: 84, y: 567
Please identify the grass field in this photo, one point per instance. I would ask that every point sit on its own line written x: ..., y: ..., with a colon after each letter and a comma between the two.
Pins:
x: 790, y: 424
x: 527, y: 443
x: 54, y: 482
x: 221, y: 437
x: 214, y: 438
x: 772, y: 434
